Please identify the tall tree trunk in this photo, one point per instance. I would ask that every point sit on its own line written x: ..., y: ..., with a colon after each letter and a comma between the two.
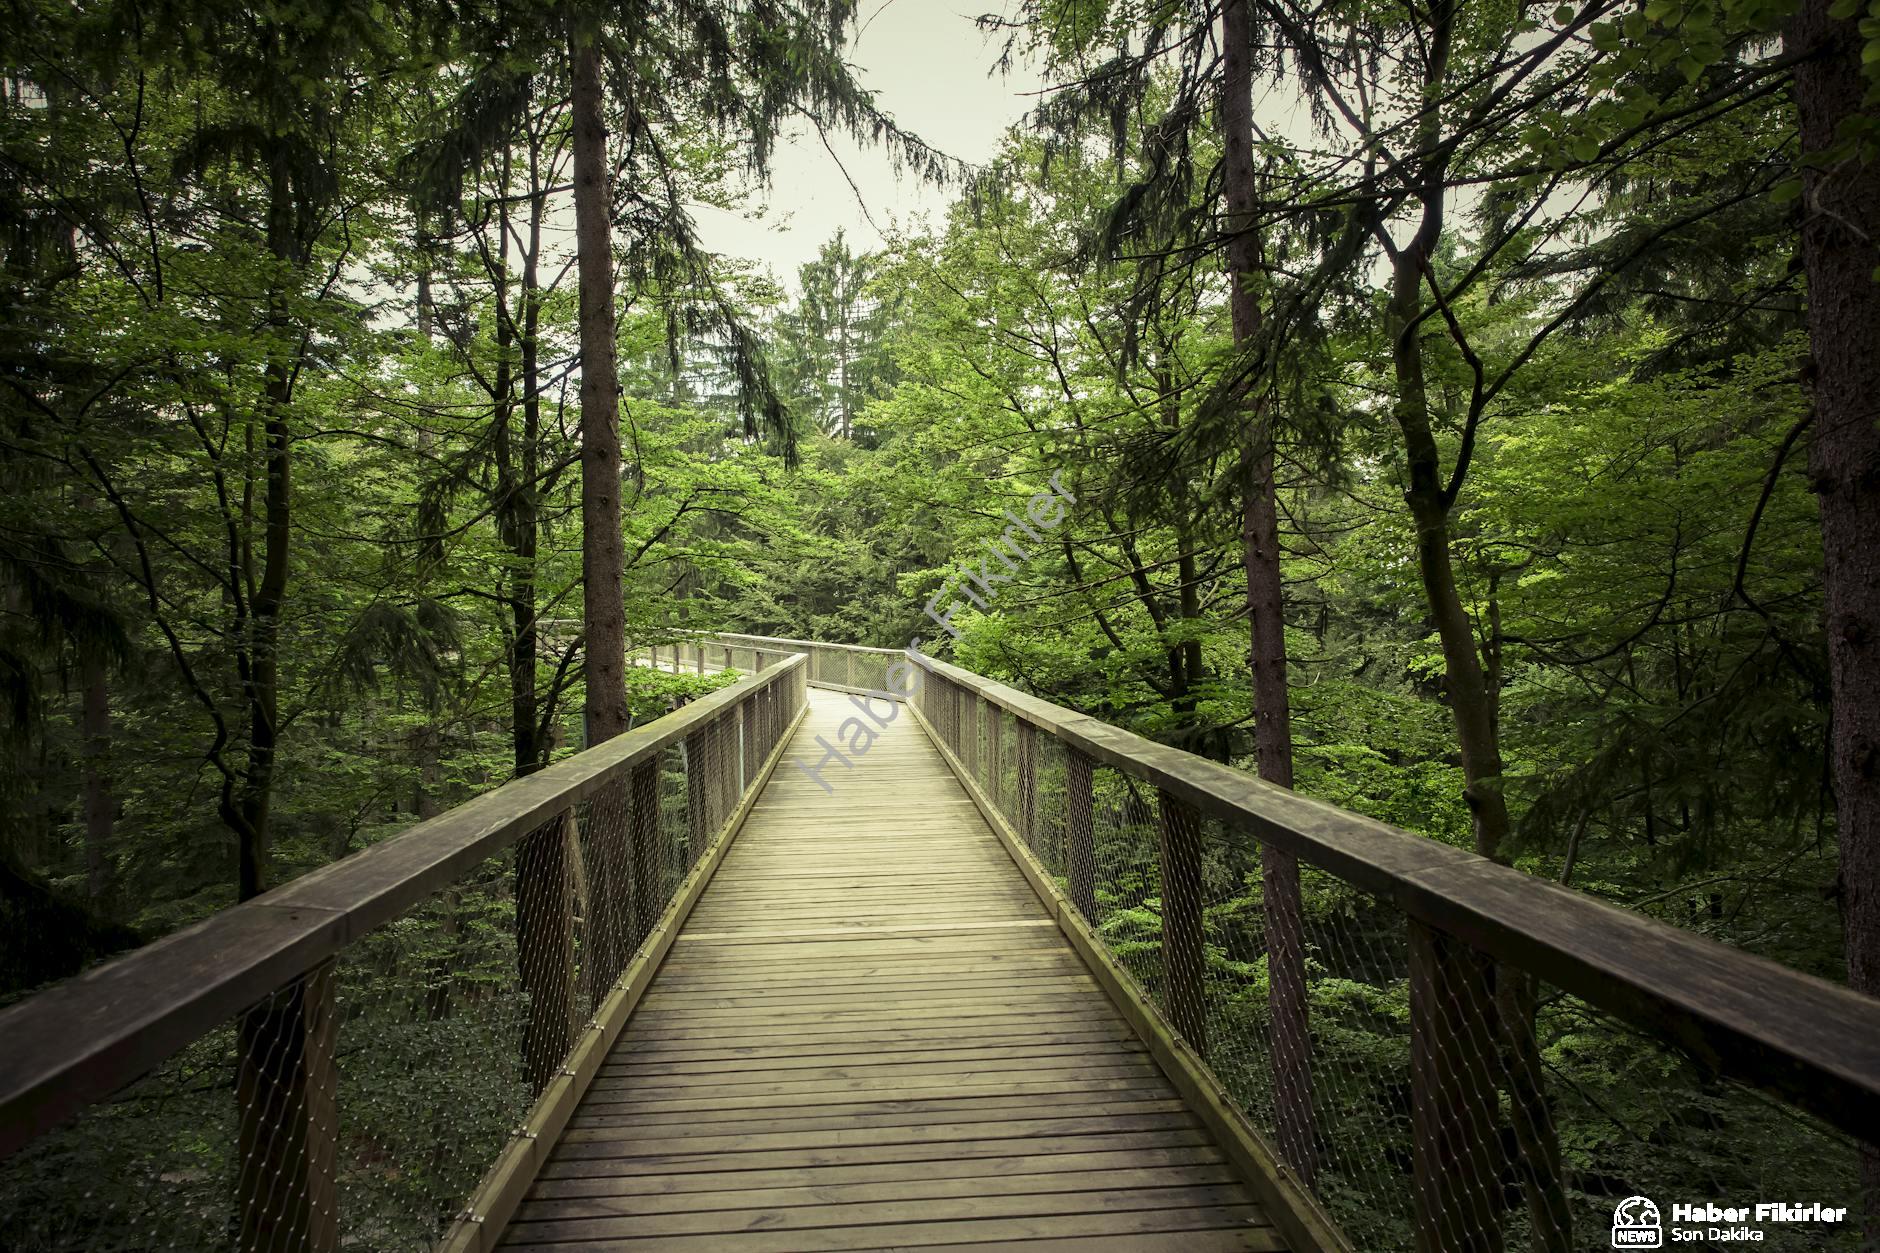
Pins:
x: 1291, y: 1043
x: 603, y: 552
x: 1841, y: 249
x: 258, y: 646
x: 1470, y: 687
x: 100, y: 804
x: 286, y: 1078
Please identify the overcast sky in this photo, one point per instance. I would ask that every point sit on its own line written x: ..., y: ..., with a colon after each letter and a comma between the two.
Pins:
x: 930, y: 68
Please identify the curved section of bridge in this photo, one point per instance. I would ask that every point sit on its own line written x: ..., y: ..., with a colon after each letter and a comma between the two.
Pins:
x: 870, y: 1034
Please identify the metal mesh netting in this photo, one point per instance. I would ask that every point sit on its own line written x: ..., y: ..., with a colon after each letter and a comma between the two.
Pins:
x: 359, y: 1107
x: 830, y: 665
x: 1487, y: 1101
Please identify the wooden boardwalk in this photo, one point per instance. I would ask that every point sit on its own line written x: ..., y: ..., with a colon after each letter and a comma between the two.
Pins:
x: 870, y: 1036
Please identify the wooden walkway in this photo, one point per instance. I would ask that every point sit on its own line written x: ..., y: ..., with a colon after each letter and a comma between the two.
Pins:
x: 870, y: 1036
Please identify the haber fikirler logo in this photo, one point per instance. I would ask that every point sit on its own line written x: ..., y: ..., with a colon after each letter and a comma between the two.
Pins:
x: 1635, y: 1224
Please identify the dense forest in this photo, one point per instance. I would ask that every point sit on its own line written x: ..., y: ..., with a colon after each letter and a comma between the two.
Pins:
x: 1467, y: 408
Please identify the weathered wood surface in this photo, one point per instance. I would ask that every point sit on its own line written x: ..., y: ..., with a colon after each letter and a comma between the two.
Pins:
x: 83, y: 1039
x: 870, y: 1035
x: 1814, y: 1043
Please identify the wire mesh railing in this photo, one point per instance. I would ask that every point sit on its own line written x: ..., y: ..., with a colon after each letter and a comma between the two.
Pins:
x: 841, y: 667
x: 1426, y: 1050
x: 370, y: 1057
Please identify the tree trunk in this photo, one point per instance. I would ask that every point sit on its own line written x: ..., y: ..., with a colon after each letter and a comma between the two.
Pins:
x: 285, y: 1082
x: 1468, y: 685
x: 258, y: 654
x: 1839, y: 234
x: 603, y: 552
x: 1291, y: 1043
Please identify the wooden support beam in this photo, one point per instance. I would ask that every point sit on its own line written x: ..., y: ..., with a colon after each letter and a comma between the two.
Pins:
x: 697, y: 784
x: 1079, y: 852
x: 1178, y: 842
x: 1290, y: 1039
x: 606, y: 940
x: 1027, y: 816
x: 1455, y: 1144
x: 545, y: 951
x: 995, y: 757
x: 646, y: 845
x: 286, y: 1088
x: 965, y: 738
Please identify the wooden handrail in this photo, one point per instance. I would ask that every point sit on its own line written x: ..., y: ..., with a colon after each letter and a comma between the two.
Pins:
x: 1814, y: 1042
x: 78, y: 1042
x: 777, y: 639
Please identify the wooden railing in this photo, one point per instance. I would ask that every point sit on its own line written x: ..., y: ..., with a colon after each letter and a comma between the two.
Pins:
x: 1295, y: 1018
x: 1380, y: 1029
x: 342, y: 1059
x: 839, y: 667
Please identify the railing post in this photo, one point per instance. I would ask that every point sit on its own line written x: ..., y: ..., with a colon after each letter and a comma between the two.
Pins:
x: 1079, y: 851
x: 606, y: 946
x: 1454, y: 1099
x: 1291, y: 1042
x: 288, y: 1130
x: 966, y: 731
x: 725, y: 767
x: 1027, y: 815
x: 697, y: 789
x: 698, y: 648
x: 647, y: 845
x: 995, y: 755
x: 1179, y: 838
x: 751, y: 756
x: 545, y: 946
x: 712, y: 764
x: 849, y: 667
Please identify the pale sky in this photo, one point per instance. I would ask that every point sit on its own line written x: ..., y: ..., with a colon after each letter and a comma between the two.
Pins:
x: 930, y: 68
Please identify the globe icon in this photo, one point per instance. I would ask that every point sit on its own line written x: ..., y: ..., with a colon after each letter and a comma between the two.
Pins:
x: 1635, y: 1224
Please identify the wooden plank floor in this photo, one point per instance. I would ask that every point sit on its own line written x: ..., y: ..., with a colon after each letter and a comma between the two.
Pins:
x: 869, y: 1036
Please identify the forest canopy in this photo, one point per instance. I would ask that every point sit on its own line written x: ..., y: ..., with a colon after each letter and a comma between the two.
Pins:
x: 1468, y: 411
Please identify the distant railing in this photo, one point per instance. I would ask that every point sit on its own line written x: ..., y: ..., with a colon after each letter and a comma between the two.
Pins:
x: 1435, y: 1051
x: 374, y: 1055
x: 841, y: 667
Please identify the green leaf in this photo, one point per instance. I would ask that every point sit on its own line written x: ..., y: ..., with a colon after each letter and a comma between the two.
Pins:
x: 1786, y: 190
x: 1585, y: 148
x: 1563, y: 15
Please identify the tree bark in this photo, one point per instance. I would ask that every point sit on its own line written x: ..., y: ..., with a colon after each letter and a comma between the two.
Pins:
x: 258, y: 649
x: 1840, y: 230
x: 603, y: 552
x: 1470, y: 686
x: 1291, y: 1042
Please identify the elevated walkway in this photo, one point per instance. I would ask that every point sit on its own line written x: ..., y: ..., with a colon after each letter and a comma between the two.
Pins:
x: 1017, y: 978
x: 869, y: 1034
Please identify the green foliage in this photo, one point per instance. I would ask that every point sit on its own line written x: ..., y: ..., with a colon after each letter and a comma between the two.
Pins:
x: 323, y: 240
